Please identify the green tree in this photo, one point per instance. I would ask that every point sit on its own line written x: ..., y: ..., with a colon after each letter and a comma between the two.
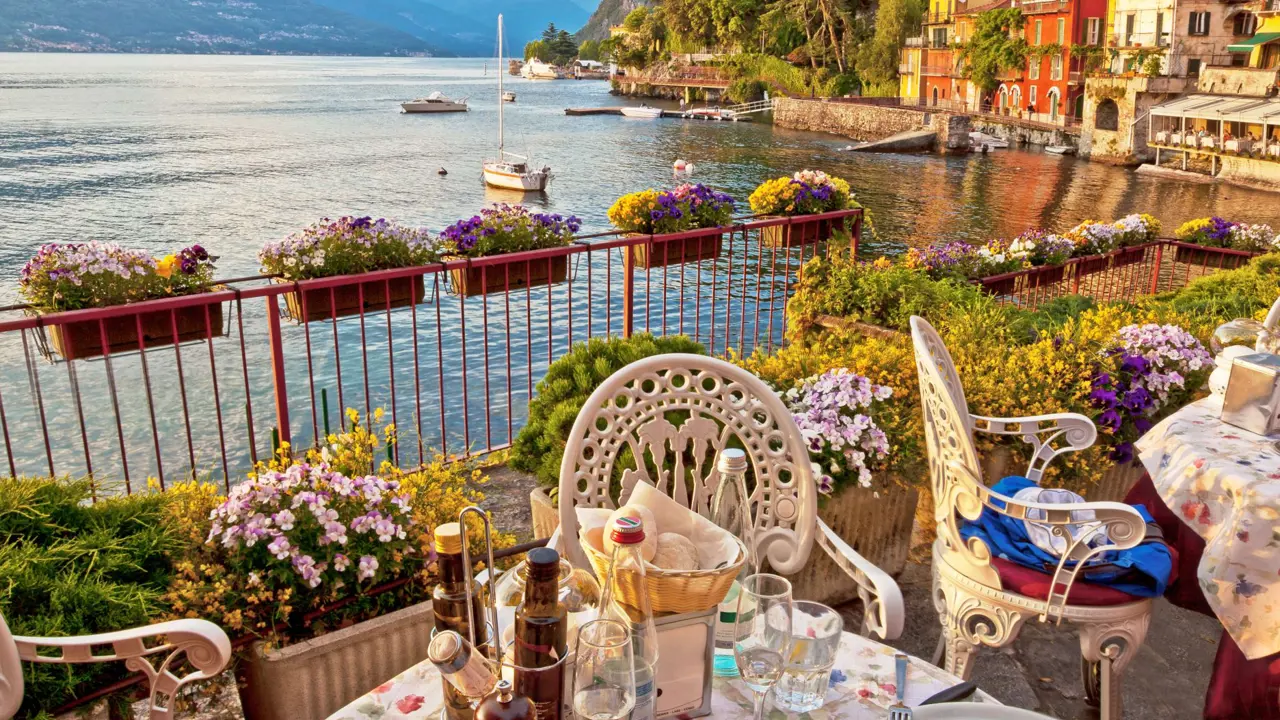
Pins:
x: 550, y: 33
x: 997, y: 45
x: 635, y: 19
x: 563, y: 48
x: 536, y: 49
x: 877, y: 60
x: 590, y: 50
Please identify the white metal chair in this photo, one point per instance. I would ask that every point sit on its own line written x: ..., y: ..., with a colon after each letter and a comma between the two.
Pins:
x: 206, y: 646
x: 631, y: 410
x: 973, y: 603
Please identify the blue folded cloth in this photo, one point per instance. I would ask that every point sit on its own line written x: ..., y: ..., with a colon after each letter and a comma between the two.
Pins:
x: 1142, y: 571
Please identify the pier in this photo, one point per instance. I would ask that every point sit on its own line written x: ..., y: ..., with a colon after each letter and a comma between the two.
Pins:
x: 689, y: 114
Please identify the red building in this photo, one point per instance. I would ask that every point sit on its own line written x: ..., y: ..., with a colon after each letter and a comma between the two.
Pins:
x: 1051, y: 87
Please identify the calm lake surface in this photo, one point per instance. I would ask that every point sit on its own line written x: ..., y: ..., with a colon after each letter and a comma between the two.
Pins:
x: 159, y: 152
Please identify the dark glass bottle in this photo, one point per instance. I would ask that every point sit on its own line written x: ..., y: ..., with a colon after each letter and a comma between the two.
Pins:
x: 449, y: 604
x: 504, y: 704
x: 540, y: 635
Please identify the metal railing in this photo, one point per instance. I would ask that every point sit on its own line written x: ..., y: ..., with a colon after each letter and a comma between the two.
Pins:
x: 174, y: 388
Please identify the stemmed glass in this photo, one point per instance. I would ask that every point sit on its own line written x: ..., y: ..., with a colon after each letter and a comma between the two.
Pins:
x: 604, y: 676
x: 763, y: 633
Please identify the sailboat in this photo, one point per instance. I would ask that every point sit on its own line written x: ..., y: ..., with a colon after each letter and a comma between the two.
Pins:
x: 509, y: 170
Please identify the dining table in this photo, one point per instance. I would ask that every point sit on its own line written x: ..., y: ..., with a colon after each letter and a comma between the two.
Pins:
x: 861, y: 686
x: 1214, y: 490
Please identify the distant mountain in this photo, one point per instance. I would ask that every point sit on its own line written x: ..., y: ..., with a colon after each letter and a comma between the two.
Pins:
x: 198, y: 26
x: 609, y: 12
x: 305, y: 27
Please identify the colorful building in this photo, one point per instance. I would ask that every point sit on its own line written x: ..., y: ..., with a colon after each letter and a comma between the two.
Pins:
x: 929, y: 73
x: 1051, y: 87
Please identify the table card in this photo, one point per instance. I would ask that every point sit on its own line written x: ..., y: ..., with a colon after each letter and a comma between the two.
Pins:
x: 1253, y: 394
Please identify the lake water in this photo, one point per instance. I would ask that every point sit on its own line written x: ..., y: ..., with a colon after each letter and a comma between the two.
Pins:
x: 159, y: 152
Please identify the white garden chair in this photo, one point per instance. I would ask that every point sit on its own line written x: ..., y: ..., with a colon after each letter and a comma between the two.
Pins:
x: 974, y: 604
x: 630, y: 410
x: 206, y: 646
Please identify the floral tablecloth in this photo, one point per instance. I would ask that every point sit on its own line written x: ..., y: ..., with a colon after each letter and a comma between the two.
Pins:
x: 1224, y: 483
x: 861, y: 688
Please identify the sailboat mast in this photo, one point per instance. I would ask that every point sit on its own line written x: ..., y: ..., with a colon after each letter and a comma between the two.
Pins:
x: 500, y: 88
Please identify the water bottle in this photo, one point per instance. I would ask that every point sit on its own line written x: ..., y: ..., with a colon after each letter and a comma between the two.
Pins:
x: 627, y: 534
x: 731, y: 511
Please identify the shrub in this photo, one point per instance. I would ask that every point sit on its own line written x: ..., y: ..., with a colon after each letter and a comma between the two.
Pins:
x: 539, y: 447
x: 1209, y: 301
x: 74, y: 276
x: 504, y: 229
x: 75, y: 568
x: 346, y: 246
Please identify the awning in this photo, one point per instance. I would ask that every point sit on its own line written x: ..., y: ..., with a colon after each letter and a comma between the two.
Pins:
x: 1253, y: 42
x: 1252, y: 110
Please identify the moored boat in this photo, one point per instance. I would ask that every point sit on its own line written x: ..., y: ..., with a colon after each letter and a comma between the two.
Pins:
x: 980, y: 140
x: 644, y: 111
x: 508, y: 170
x: 535, y: 69
x: 436, y: 102
x: 508, y: 96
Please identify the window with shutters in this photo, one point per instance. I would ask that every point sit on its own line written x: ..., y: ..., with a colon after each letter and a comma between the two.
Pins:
x: 1033, y: 95
x: 1246, y: 23
x: 1162, y: 37
x: 1094, y: 31
x: 1129, y: 21
x: 1199, y: 23
x: 1062, y: 31
x: 1055, y: 67
x: 1033, y: 72
x: 1039, y: 29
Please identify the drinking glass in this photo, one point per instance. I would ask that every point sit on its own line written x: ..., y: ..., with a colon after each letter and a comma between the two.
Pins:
x: 604, y: 676
x: 815, y: 639
x: 762, y: 633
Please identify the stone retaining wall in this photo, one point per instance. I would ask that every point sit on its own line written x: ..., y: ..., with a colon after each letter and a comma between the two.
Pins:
x: 860, y: 122
x: 1019, y: 135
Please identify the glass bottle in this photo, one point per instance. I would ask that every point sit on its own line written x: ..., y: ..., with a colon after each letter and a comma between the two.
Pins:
x: 627, y: 535
x: 731, y: 510
x: 541, y: 636
x: 504, y: 704
x: 449, y: 604
x: 467, y: 670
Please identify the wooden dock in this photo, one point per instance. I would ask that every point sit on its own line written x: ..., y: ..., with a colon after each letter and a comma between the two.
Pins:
x: 676, y: 114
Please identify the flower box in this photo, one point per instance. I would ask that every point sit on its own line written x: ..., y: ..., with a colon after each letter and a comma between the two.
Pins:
x: 346, y: 299
x: 660, y: 251
x: 1212, y: 258
x: 316, y: 678
x: 1129, y: 256
x: 800, y: 231
x: 1048, y: 275
x: 83, y: 338
x: 1092, y: 264
x: 473, y: 281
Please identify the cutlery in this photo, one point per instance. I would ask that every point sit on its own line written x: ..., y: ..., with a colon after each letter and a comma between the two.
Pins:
x: 900, y: 711
x: 955, y: 693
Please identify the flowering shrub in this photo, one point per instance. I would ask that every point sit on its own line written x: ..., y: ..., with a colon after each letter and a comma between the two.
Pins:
x: 1155, y: 367
x: 1137, y: 229
x: 1094, y: 238
x: 504, y: 229
x: 805, y: 193
x: 74, y: 276
x: 834, y: 413
x: 689, y: 206
x: 1217, y: 232
x: 346, y: 246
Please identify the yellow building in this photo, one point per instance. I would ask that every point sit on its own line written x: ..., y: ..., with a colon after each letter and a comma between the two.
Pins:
x: 1264, y: 46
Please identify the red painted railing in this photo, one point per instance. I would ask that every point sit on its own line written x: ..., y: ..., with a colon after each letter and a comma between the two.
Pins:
x: 209, y: 394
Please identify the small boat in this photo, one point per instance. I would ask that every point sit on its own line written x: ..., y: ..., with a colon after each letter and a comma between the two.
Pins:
x: 644, y: 111
x: 1060, y: 149
x: 710, y: 114
x: 435, y: 103
x: 981, y: 140
x: 535, y: 69
x: 508, y: 170
x: 508, y: 96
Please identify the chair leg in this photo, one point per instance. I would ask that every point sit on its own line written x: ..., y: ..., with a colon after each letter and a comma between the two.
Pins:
x: 957, y: 653
x: 1105, y: 649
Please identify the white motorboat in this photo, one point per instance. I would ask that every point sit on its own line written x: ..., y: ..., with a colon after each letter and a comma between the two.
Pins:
x: 535, y: 69
x: 508, y: 96
x: 710, y: 114
x: 435, y: 103
x: 981, y: 141
x: 644, y: 111
x: 1060, y: 150
x: 508, y: 170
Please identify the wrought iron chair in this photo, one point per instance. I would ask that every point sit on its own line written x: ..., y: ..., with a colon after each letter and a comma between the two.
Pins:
x: 206, y: 646
x: 633, y: 409
x: 983, y: 600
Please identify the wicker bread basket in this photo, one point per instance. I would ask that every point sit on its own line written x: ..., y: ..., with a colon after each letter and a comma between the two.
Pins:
x: 671, y: 591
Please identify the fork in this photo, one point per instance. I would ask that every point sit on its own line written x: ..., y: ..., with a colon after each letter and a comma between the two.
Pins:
x: 899, y: 711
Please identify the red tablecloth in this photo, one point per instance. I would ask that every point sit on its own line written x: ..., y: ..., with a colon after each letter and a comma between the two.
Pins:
x: 1240, y: 689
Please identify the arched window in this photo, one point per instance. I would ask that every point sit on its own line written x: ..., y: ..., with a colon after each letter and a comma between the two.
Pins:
x: 1052, y: 97
x: 1015, y: 98
x: 935, y: 96
x: 1107, y: 116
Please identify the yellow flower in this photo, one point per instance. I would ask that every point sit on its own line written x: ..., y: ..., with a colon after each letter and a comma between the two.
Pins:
x: 164, y: 268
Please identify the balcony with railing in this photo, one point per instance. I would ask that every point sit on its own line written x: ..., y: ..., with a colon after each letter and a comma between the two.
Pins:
x: 1041, y: 7
x: 915, y: 42
x: 1138, y: 41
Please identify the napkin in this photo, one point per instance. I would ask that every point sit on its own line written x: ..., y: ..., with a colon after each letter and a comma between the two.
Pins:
x: 716, y: 546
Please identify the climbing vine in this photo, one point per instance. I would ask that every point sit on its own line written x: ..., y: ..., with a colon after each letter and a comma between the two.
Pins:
x: 996, y: 46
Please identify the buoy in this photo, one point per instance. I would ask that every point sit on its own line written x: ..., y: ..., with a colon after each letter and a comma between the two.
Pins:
x: 680, y: 165
x: 442, y: 171
x: 689, y: 168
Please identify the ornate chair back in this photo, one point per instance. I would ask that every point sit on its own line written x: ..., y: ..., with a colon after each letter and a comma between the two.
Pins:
x: 664, y: 419
x: 10, y: 674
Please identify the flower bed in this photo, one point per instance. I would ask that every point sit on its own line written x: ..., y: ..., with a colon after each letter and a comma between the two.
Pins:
x: 680, y: 212
x: 504, y: 229
x: 808, y: 192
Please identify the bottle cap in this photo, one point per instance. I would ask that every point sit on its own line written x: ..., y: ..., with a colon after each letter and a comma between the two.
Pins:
x: 544, y: 564
x: 447, y: 651
x: 731, y: 460
x: 449, y: 539
x: 627, y: 531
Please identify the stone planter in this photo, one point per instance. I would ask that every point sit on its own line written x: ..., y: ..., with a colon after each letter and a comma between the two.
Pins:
x: 661, y: 251
x: 83, y: 339
x: 473, y: 281
x: 313, y: 679
x: 546, y: 516
x: 368, y: 296
x: 878, y: 528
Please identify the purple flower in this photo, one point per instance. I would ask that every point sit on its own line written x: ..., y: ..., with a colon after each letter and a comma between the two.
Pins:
x: 1103, y: 398
x: 368, y: 567
x: 1122, y: 452
x: 1137, y: 399
x: 1135, y: 364
x: 1110, y: 419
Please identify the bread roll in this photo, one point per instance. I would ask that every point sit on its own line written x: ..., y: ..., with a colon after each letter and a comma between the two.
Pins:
x: 676, y: 552
x: 650, y: 545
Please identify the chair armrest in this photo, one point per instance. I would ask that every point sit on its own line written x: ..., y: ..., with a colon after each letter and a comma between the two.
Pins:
x: 883, y: 610
x: 207, y: 649
x: 1041, y: 432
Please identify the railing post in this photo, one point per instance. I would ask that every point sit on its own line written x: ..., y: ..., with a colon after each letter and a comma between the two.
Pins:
x: 1155, y: 270
x: 628, y: 291
x: 279, y: 386
x: 856, y: 236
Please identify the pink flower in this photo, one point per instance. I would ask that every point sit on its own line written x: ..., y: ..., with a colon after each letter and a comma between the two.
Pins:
x: 279, y: 547
x: 341, y: 562
x: 368, y: 567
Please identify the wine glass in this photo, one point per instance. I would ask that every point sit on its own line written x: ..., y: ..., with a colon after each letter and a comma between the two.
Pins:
x: 604, y: 676
x: 763, y: 633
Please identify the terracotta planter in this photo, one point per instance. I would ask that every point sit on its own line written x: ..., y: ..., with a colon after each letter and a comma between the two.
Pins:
x: 473, y: 281
x: 801, y: 231
x: 878, y: 528
x: 314, y: 679
x: 346, y: 299
x: 546, y: 516
x: 1129, y: 256
x: 661, y: 252
x: 83, y: 339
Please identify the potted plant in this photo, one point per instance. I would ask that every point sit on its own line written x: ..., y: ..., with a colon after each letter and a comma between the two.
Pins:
x: 347, y: 246
x: 996, y: 265
x: 505, y: 229
x: 1215, y: 232
x: 1135, y: 230
x: 1045, y: 250
x: 693, y: 215
x: 808, y: 192
x: 79, y: 276
x: 1093, y: 243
